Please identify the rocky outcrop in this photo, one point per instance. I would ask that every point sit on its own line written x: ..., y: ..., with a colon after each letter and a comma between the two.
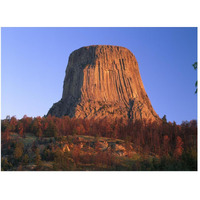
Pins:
x: 103, y: 81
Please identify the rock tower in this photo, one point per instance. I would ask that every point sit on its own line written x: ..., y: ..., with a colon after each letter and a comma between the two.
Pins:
x: 103, y: 81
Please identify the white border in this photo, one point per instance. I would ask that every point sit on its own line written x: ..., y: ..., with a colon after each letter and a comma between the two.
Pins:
x: 99, y: 185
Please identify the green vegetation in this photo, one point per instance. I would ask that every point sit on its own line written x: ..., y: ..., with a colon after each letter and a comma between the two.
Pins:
x: 195, y: 68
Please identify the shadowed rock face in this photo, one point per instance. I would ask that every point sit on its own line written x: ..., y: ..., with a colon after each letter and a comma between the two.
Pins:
x: 103, y: 81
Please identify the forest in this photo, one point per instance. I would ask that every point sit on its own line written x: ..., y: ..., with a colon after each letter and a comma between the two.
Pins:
x: 62, y: 144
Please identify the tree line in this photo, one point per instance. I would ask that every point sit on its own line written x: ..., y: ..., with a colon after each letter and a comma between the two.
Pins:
x: 163, y: 138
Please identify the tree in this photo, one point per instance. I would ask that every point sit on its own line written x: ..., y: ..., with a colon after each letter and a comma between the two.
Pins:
x: 37, y: 157
x: 50, y: 129
x: 61, y: 161
x: 13, y: 123
x: 5, y: 165
x: 5, y: 136
x: 5, y: 124
x: 166, y: 145
x: 26, y: 121
x: 39, y: 133
x: 179, y: 147
x: 195, y: 68
x: 76, y: 153
x: 164, y: 119
x: 18, y: 152
x: 25, y: 159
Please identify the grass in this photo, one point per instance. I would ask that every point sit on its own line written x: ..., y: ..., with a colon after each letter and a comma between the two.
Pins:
x: 27, y: 140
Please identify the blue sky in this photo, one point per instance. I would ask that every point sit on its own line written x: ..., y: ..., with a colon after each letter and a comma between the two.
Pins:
x: 34, y: 60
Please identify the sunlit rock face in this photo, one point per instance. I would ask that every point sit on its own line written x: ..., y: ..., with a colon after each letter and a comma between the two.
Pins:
x: 103, y: 81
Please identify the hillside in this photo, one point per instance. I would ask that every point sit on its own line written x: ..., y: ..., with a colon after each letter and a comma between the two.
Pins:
x: 51, y: 143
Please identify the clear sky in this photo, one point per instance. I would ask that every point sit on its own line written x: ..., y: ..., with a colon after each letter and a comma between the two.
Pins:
x: 34, y: 60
